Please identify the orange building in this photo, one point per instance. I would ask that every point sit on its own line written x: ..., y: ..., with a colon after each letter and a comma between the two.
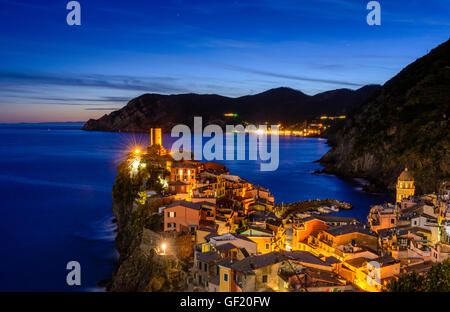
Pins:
x: 184, y: 216
x: 302, y: 229
x: 184, y: 171
x: 382, y: 217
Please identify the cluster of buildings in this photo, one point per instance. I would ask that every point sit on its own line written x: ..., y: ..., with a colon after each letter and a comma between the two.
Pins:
x: 240, y: 244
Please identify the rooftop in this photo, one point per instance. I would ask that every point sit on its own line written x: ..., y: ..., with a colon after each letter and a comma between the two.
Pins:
x: 303, y: 256
x: 406, y: 176
x: 208, y: 256
x: 225, y: 247
x: 331, y: 219
x: 184, y: 165
x: 346, y: 229
x: 184, y: 203
x: 248, y: 265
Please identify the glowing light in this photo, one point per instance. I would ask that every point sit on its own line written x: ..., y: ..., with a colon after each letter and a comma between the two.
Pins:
x: 137, y: 151
x: 143, y: 165
x: 135, y: 164
x: 163, y: 248
x: 260, y: 132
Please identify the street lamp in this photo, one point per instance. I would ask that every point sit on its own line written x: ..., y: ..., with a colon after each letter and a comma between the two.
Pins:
x: 163, y: 248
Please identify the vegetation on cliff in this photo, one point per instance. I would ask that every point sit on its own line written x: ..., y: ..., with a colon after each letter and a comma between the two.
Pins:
x: 150, y: 176
x: 405, y: 124
x: 131, y: 214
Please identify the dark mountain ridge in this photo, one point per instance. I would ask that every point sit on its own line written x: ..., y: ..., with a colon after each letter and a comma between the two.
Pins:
x: 283, y: 105
x: 405, y: 124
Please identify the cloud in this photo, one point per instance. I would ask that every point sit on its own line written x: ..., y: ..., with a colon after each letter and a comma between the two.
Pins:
x: 108, y: 99
x: 102, y: 109
x: 292, y: 77
x: 117, y: 82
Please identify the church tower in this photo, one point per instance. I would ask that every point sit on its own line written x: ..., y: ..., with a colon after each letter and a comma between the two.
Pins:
x: 405, y: 185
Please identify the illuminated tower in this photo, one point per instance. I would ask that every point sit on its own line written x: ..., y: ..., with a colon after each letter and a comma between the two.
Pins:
x: 405, y: 185
x: 155, y: 136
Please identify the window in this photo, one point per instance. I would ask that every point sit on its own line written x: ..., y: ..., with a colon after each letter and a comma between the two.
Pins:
x: 172, y: 214
x: 392, y: 221
x: 267, y: 246
x: 264, y: 278
x: 205, y: 267
x: 225, y: 277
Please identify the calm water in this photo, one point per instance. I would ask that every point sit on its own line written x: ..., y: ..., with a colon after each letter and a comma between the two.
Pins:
x: 55, y: 190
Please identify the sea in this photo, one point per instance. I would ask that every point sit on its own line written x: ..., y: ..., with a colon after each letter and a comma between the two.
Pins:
x: 55, y: 198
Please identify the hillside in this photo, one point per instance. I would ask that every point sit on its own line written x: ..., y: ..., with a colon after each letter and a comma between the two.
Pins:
x: 404, y: 125
x: 276, y: 105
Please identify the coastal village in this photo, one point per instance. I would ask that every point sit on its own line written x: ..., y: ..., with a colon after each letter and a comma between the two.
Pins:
x: 234, y: 236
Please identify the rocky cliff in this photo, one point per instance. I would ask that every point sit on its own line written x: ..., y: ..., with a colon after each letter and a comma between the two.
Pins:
x: 277, y: 105
x: 141, y: 267
x: 405, y: 124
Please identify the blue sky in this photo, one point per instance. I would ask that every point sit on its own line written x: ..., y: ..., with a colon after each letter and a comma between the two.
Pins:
x: 50, y: 71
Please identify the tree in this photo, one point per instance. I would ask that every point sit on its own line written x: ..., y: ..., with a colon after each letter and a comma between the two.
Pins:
x: 437, y: 279
x: 411, y: 282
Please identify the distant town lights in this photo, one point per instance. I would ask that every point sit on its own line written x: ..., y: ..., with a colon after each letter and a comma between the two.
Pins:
x: 260, y: 131
x: 230, y: 115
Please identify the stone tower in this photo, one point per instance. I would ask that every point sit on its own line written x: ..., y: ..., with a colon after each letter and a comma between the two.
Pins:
x: 155, y: 136
x: 405, y: 185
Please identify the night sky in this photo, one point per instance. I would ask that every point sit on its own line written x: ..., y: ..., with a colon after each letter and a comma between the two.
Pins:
x: 50, y: 71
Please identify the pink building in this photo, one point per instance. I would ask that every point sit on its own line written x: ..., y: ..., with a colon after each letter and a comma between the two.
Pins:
x: 184, y: 216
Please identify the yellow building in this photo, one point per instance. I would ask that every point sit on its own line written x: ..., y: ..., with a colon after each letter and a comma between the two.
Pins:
x: 225, y: 276
x: 405, y: 186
